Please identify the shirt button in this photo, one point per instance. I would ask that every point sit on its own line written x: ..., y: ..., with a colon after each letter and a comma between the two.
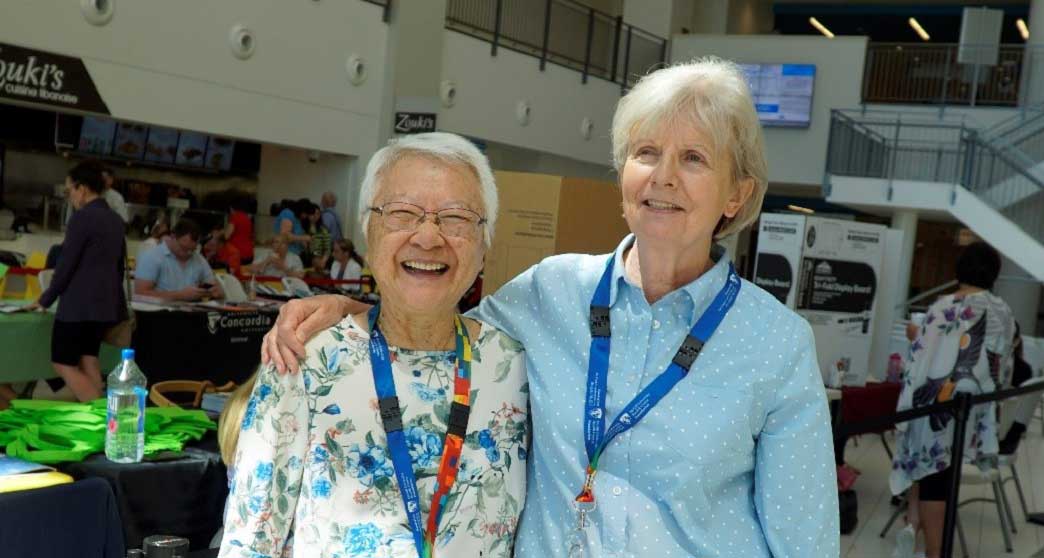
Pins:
x: 617, y: 491
x: 656, y: 324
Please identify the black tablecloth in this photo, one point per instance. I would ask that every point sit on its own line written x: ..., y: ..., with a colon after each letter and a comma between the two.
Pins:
x: 78, y: 519
x: 183, y: 497
x: 215, y: 346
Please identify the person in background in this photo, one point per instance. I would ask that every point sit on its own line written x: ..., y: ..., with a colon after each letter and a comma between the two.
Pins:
x: 346, y: 263
x: 174, y: 270
x: 281, y: 262
x: 89, y: 280
x: 239, y: 231
x: 221, y: 254
x: 319, y: 247
x: 1021, y: 371
x: 113, y: 196
x: 159, y: 229
x: 288, y: 225
x: 964, y: 345
x: 330, y: 219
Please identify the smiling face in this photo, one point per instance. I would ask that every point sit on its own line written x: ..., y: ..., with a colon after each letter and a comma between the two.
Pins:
x: 424, y: 271
x: 676, y: 186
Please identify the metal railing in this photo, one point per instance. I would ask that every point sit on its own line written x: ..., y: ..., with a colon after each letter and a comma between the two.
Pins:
x: 931, y: 74
x: 900, y: 146
x: 562, y: 32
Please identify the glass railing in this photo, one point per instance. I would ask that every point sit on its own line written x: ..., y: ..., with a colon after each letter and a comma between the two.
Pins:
x: 562, y: 32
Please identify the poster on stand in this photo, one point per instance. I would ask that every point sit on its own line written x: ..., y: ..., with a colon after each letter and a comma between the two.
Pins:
x: 838, y: 287
x: 779, y: 254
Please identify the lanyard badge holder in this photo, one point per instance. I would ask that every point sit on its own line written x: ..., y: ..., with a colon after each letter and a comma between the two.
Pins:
x: 453, y: 441
x: 596, y: 437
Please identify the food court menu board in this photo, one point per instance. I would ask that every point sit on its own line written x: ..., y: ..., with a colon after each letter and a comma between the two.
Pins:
x: 782, y: 92
x: 191, y: 149
x: 162, y: 145
x: 130, y: 140
x: 219, y: 153
x: 96, y: 135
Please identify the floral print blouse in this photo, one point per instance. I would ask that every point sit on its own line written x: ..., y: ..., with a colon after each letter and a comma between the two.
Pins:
x: 313, y: 473
x: 965, y: 345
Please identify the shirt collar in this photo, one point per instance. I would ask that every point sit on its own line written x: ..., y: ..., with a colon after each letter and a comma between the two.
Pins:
x: 699, y: 291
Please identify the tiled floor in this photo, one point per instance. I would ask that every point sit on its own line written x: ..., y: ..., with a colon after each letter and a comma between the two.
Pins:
x: 981, y: 525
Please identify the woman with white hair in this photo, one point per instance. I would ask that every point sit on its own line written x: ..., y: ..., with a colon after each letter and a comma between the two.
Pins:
x: 677, y: 410
x: 405, y: 434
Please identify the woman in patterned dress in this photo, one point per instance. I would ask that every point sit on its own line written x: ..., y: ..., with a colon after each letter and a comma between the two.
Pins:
x: 964, y: 345
x: 314, y: 471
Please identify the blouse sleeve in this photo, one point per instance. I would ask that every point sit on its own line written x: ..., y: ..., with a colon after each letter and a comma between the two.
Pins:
x: 269, y: 462
x: 795, y: 476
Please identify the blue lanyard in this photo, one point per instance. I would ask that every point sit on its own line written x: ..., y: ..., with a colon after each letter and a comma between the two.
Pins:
x: 596, y: 438
x: 391, y: 417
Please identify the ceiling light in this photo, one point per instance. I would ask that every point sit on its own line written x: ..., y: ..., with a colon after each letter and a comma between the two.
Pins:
x: 1023, y: 30
x: 920, y: 30
x: 800, y: 209
x: 820, y: 27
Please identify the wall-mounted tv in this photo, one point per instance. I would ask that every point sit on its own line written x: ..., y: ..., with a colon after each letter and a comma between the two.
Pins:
x: 782, y: 93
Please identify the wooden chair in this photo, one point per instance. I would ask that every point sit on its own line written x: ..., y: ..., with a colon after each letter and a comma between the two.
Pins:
x: 189, y: 388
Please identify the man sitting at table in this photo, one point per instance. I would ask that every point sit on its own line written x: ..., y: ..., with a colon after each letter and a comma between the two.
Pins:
x: 174, y: 270
x: 281, y: 262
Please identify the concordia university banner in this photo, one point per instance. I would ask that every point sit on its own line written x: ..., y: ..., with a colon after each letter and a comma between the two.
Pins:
x: 38, y: 77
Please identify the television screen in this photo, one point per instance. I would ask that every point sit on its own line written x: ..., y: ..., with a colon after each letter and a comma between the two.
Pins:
x: 782, y: 93
x: 162, y: 145
x: 130, y: 140
x: 191, y: 149
x: 96, y: 135
x: 219, y: 153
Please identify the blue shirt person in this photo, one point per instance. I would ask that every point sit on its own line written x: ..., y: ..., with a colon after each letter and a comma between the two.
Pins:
x: 174, y: 270
x: 288, y: 224
x: 330, y: 219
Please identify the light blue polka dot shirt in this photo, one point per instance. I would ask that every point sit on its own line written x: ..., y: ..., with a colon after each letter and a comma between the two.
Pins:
x: 737, y: 461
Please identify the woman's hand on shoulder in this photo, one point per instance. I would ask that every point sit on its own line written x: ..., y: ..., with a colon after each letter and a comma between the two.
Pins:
x: 300, y: 320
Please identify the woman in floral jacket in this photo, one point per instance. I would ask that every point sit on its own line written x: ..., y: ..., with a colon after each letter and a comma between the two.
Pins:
x: 964, y: 345
x: 316, y: 470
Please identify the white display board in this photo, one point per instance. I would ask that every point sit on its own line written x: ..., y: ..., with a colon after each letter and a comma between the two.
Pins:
x: 780, y: 238
x: 838, y: 292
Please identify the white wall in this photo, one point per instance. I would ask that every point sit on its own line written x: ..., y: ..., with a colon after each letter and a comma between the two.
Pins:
x: 796, y: 156
x: 516, y: 159
x: 489, y: 88
x: 653, y: 16
x: 169, y: 63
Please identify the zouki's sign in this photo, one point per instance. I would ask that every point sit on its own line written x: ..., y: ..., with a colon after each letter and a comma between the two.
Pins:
x: 414, y: 122
x: 35, y: 76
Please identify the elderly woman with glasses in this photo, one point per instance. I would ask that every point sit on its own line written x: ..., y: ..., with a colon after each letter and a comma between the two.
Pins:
x: 405, y: 434
x: 677, y: 410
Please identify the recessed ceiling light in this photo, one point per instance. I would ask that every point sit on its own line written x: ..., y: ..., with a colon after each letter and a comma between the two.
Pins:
x: 1023, y: 30
x: 920, y: 30
x: 800, y: 209
x: 820, y: 27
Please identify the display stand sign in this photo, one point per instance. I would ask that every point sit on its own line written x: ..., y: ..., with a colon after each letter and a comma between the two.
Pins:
x: 837, y: 293
x: 34, y: 76
x: 779, y: 254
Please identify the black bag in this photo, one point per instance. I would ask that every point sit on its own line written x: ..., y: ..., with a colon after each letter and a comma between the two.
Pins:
x: 849, y: 511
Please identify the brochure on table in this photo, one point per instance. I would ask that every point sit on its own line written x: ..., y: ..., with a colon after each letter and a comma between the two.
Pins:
x: 838, y: 288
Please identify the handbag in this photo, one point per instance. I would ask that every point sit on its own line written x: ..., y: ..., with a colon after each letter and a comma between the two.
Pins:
x: 120, y: 334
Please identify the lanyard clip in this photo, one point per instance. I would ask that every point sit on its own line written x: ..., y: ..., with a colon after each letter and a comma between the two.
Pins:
x: 391, y: 415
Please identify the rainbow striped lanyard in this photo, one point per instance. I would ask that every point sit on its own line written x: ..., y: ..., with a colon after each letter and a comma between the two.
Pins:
x: 452, y: 443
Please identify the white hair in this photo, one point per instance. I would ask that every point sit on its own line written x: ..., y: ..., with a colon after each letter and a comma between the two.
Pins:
x: 711, y: 94
x: 449, y: 148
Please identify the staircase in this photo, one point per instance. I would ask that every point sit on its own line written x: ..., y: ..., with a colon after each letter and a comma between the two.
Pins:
x: 991, y: 180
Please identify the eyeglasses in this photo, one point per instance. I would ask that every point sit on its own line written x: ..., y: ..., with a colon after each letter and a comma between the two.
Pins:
x: 454, y: 221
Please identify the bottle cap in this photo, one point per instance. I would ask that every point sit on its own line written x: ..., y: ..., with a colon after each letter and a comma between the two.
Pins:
x: 127, y: 354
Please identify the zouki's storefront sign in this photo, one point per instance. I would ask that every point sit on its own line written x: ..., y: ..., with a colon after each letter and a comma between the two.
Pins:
x: 35, y: 76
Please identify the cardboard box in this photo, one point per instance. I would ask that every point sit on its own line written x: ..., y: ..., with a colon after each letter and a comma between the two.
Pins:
x: 543, y: 215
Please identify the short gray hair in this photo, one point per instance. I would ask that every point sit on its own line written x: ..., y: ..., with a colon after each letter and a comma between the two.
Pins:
x: 712, y: 94
x: 442, y: 146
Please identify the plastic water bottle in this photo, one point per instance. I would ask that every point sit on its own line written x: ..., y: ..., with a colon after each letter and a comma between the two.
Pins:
x: 125, y: 424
